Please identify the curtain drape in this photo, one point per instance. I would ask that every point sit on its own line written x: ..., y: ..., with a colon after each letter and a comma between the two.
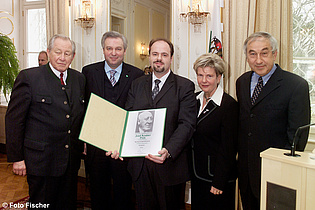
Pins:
x: 57, y: 17
x: 239, y: 23
x: 275, y: 17
x: 244, y: 17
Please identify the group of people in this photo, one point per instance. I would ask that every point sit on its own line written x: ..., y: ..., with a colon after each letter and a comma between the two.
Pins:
x: 209, y: 137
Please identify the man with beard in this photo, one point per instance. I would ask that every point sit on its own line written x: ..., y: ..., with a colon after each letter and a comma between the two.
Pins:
x: 160, y: 180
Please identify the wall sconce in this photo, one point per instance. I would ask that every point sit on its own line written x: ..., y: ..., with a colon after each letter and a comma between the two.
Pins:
x: 85, y: 14
x: 194, y: 15
x: 143, y: 55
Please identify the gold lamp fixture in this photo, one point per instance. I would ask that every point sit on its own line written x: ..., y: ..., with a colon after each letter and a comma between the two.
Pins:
x: 143, y: 55
x: 85, y: 14
x: 195, y: 16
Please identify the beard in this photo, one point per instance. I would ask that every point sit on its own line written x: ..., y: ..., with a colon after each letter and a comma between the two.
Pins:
x: 158, y: 69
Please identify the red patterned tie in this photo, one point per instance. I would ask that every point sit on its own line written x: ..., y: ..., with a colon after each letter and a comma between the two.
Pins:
x: 61, y: 79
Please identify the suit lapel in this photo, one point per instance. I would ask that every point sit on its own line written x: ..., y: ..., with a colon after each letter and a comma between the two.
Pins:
x: 99, y: 78
x: 211, y: 106
x: 148, y: 88
x: 246, y: 89
x: 170, y: 81
x: 272, y: 84
x: 68, y: 87
x: 123, y: 80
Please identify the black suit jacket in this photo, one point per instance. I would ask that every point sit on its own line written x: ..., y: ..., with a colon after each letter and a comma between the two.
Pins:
x: 95, y: 83
x: 177, y: 95
x: 214, y: 143
x: 282, y: 107
x: 43, y: 121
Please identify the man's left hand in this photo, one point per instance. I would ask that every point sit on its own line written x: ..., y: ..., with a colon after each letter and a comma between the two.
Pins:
x: 164, y: 154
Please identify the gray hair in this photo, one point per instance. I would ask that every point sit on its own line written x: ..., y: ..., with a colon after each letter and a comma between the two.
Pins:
x: 210, y: 60
x: 63, y: 37
x: 261, y: 34
x: 114, y: 34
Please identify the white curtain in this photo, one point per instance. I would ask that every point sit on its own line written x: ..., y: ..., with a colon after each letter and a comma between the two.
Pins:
x: 57, y: 17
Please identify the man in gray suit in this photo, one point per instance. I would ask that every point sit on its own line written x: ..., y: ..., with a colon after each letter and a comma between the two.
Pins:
x: 43, y: 122
x: 273, y: 104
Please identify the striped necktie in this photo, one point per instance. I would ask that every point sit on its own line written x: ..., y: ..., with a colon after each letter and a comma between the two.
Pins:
x: 112, y: 77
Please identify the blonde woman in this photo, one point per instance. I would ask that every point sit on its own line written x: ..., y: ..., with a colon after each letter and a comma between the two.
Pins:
x: 215, y: 139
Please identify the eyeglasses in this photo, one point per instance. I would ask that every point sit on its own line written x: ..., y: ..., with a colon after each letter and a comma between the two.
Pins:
x: 263, y: 54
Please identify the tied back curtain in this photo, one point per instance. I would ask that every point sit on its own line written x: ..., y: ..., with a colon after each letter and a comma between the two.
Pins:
x: 241, y: 18
x: 57, y: 17
x: 275, y: 17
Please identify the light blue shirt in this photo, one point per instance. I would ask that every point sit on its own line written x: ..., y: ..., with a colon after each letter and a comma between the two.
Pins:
x: 265, y: 79
x: 118, y: 69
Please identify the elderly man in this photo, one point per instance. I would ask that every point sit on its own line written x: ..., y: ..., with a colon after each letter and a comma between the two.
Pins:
x: 273, y: 104
x: 42, y: 124
x: 144, y: 122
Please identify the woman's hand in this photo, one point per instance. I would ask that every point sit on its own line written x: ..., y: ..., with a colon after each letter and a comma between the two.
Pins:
x: 216, y: 191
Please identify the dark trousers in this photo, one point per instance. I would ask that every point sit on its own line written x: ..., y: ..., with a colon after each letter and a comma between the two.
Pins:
x: 103, y: 171
x: 152, y: 194
x: 249, y: 200
x: 202, y: 198
x: 59, y: 192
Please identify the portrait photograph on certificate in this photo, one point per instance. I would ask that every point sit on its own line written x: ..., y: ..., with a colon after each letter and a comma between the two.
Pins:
x: 143, y: 133
x: 132, y: 133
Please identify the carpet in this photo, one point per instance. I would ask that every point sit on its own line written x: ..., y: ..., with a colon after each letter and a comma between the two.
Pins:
x: 16, y: 205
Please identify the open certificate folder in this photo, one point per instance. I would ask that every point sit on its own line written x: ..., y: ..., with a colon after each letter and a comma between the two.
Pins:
x: 132, y: 133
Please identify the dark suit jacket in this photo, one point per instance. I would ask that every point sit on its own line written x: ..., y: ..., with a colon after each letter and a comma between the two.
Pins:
x: 177, y: 95
x: 282, y: 107
x: 215, y: 143
x: 95, y: 83
x: 43, y: 121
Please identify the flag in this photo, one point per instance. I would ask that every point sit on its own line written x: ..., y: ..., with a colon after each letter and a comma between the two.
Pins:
x: 216, y: 27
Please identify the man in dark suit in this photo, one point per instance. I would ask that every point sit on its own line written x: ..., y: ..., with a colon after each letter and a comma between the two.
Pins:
x: 111, y: 80
x: 269, y: 117
x: 160, y: 180
x: 43, y: 122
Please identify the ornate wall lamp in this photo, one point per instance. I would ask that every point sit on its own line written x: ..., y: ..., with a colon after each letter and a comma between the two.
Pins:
x: 85, y: 14
x: 194, y: 15
x: 144, y: 54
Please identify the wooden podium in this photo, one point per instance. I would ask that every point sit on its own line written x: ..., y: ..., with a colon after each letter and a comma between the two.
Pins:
x: 287, y: 182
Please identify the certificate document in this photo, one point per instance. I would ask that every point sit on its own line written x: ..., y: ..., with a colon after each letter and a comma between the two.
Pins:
x: 131, y: 133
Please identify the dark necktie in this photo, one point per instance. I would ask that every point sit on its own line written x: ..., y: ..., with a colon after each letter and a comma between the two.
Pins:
x: 61, y: 79
x: 257, y: 90
x: 156, y: 88
x: 112, y: 77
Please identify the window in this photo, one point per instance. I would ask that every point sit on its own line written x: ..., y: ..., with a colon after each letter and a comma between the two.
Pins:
x: 304, y: 45
x: 34, y: 16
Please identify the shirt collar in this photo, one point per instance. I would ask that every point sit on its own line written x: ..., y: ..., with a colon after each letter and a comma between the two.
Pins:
x: 57, y: 73
x: 265, y: 77
x: 162, y: 79
x: 108, y: 68
x: 216, y: 97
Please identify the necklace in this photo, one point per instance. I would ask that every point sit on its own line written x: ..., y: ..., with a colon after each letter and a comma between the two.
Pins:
x: 207, y: 99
